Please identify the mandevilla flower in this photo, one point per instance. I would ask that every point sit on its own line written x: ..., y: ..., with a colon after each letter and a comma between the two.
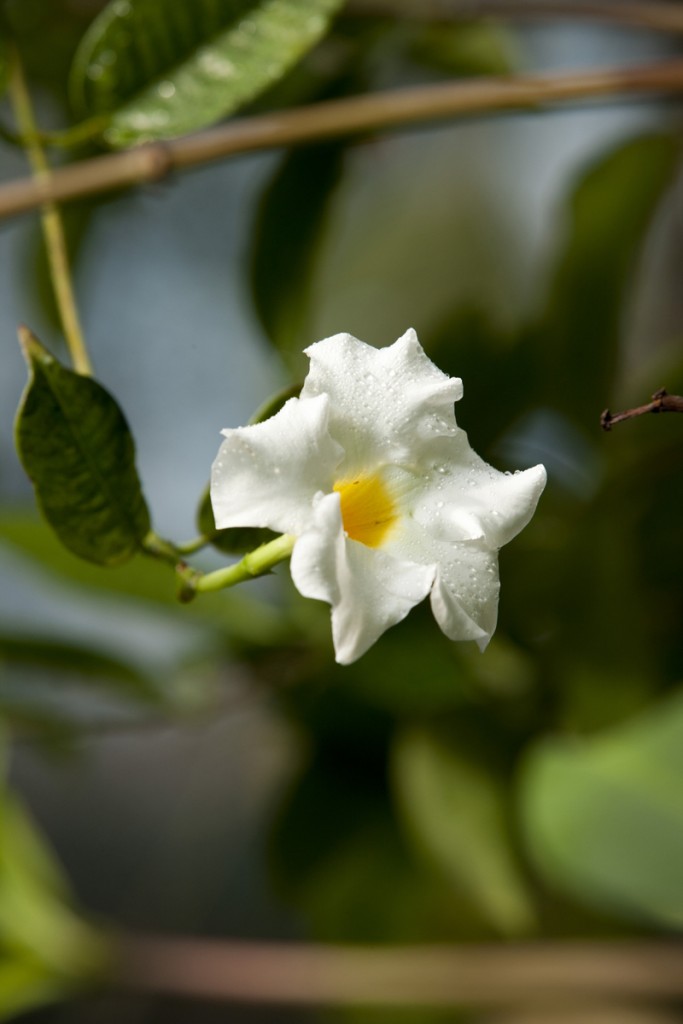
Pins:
x: 380, y: 491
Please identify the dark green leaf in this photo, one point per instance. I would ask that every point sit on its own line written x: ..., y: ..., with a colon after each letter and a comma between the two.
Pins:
x: 287, y: 235
x: 162, y: 68
x: 455, y: 813
x: 604, y: 817
x: 75, y: 445
x: 466, y: 49
x: 581, y: 329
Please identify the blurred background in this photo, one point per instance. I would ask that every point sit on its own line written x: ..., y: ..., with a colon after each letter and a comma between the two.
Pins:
x: 208, y: 770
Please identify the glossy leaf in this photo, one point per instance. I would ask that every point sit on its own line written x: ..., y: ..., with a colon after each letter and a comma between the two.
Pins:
x: 76, y: 447
x: 454, y: 812
x: 604, y: 817
x: 162, y: 68
x: 288, y: 232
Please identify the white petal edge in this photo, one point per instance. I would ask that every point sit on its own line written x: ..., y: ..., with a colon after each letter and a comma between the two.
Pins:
x: 267, y: 474
x: 369, y: 589
x: 384, y: 403
x: 464, y: 498
x: 464, y: 595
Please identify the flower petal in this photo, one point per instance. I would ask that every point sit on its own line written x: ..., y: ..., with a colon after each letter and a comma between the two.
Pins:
x: 465, y: 593
x: 267, y: 474
x: 464, y: 596
x: 463, y: 498
x: 369, y: 590
x: 384, y: 403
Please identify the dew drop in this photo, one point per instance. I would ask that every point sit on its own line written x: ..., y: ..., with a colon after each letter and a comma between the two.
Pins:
x: 166, y: 90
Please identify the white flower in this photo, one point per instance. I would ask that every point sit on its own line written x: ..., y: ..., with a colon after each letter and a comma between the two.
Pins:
x: 386, y: 500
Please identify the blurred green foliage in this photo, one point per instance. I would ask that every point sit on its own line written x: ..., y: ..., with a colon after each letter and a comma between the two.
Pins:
x: 46, y: 951
x: 441, y: 795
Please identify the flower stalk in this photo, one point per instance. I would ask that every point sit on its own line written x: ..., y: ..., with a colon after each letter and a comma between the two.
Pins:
x: 52, y: 224
x: 255, y: 563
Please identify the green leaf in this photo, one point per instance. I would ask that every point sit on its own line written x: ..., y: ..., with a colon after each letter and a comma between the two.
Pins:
x: 466, y: 50
x: 455, y: 813
x: 25, y: 985
x: 581, y: 329
x: 288, y: 232
x: 604, y: 817
x: 75, y: 445
x: 162, y: 68
x: 36, y: 919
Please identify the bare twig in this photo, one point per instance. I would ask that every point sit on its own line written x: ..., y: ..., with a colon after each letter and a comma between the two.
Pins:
x: 401, y: 976
x: 659, y: 17
x: 335, y: 118
x: 662, y: 401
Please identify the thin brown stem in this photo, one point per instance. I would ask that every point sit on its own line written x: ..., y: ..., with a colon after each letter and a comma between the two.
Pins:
x: 53, y: 228
x: 659, y: 17
x: 662, y: 401
x: 437, y: 976
x: 334, y: 118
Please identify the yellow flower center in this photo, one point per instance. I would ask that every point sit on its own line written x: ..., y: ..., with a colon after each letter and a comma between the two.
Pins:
x: 367, y: 509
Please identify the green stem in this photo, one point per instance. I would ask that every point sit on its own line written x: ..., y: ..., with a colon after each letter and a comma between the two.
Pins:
x: 190, y: 547
x: 77, y: 134
x: 256, y: 563
x: 65, y: 138
x: 157, y: 547
x: 168, y: 551
x: 53, y: 227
